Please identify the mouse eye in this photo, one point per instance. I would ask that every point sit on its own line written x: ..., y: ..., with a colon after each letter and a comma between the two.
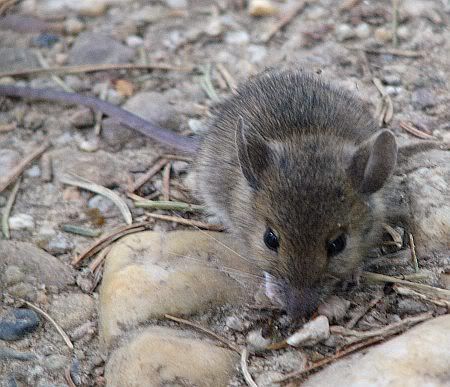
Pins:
x: 271, y: 240
x: 335, y: 246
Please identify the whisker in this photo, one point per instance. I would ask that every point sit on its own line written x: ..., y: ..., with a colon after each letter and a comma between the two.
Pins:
x: 225, y: 269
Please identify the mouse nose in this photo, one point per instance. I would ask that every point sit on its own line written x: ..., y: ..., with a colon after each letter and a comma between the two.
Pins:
x: 301, y: 302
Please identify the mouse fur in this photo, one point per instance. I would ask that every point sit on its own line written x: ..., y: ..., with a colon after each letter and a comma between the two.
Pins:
x: 292, y: 160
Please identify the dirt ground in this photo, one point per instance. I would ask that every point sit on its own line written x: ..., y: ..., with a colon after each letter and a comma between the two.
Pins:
x: 199, y: 51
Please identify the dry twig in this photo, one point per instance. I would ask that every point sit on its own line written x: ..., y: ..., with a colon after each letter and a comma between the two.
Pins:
x: 227, y: 76
x: 411, y: 129
x: 204, y: 330
x: 18, y: 169
x: 389, y: 51
x: 188, y: 222
x: 94, y: 68
x: 53, y: 322
x: 7, y: 209
x: 385, y: 110
x: 46, y: 168
x: 168, y: 205
x: 412, y: 246
x: 78, y: 181
x: 328, y: 360
x: 68, y: 377
x: 245, y: 372
x: 284, y: 20
x: 99, y: 258
x: 108, y: 239
x: 148, y: 175
x: 166, y: 181
x: 350, y: 324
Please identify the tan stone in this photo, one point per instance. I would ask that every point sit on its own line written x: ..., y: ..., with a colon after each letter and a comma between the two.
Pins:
x: 162, y: 356
x: 150, y: 274
x: 419, y: 357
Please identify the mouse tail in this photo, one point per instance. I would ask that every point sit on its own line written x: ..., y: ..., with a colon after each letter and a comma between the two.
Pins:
x: 165, y: 137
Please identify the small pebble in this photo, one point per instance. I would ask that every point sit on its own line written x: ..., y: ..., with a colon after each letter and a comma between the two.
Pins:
x: 261, y: 8
x: 89, y: 8
x: 17, y: 323
x: 311, y: 333
x: 21, y: 222
x: 423, y: 98
x: 237, y: 37
x: 58, y: 244
x: 344, y: 32
x: 134, y: 41
x: 383, y: 34
x: 176, y: 3
x: 54, y: 362
x: 214, y: 28
x: 362, y: 31
x: 88, y: 145
x: 256, y: 342
x: 74, y: 26
x: 196, y: 126
x: 33, y: 171
x: 11, y: 354
x: 235, y: 324
x: 103, y: 204
x: 335, y: 308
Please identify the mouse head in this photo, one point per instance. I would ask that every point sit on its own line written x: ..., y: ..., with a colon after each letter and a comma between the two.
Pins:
x: 314, y: 209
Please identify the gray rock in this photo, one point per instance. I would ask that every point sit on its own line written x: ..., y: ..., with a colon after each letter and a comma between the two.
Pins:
x: 17, y: 323
x: 8, y: 159
x: 154, y: 107
x: 12, y: 275
x: 362, y: 31
x: 94, y: 48
x: 58, y: 244
x: 36, y: 263
x: 11, y: 354
x: 13, y: 59
x: 55, y: 362
x: 410, y: 306
x: 71, y: 310
x: 419, y: 357
x: 22, y: 290
x: 176, y: 3
x: 423, y: 98
x: 116, y: 134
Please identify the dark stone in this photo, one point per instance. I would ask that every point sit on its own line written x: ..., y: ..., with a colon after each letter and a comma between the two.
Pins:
x: 17, y: 323
x: 12, y: 354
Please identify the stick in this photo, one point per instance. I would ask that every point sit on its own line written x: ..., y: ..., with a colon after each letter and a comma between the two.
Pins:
x: 363, y: 312
x: 188, y: 222
x: 99, y: 258
x: 7, y: 210
x: 413, y: 253
x: 412, y: 293
x: 168, y: 205
x: 108, y: 239
x: 94, y: 68
x: 416, y: 132
x: 148, y: 175
x: 204, y: 330
x: 328, y: 360
x: 284, y: 21
x: 166, y: 182
x: 245, y: 372
x: 390, y: 51
x: 53, y: 322
x: 421, y: 288
x: 18, y: 169
x: 78, y: 181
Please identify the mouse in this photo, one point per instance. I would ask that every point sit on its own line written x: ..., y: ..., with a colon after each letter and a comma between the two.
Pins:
x: 295, y: 168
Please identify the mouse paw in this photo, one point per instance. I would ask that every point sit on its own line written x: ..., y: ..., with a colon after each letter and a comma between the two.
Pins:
x: 353, y: 281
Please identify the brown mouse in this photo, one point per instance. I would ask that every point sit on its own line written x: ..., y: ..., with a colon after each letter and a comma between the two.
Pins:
x: 295, y: 168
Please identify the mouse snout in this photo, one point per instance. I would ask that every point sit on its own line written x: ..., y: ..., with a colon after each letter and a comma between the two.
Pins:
x: 301, y: 302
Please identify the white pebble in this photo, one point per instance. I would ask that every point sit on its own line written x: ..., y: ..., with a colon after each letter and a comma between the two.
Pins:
x: 237, y: 37
x: 21, y: 222
x: 235, y: 324
x: 34, y: 171
x: 256, y: 342
x: 311, y: 333
x: 344, y: 32
x: 362, y: 31
x: 88, y: 145
x: 73, y: 26
x: 177, y: 3
x: 134, y: 41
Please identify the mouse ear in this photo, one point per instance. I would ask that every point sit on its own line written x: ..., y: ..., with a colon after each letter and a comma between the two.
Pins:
x: 253, y: 154
x: 373, y: 162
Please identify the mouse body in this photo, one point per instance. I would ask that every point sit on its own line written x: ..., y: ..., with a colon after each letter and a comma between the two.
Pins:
x: 294, y: 167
